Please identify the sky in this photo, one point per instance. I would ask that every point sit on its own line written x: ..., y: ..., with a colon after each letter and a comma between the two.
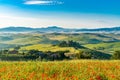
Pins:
x: 62, y: 13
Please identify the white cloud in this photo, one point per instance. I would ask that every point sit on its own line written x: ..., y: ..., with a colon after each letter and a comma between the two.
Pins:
x: 42, y: 2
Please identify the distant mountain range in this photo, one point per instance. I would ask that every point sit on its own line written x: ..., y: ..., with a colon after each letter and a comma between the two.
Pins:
x: 55, y: 29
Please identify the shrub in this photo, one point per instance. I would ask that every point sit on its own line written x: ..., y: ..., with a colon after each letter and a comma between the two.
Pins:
x: 83, y: 55
x: 116, y: 55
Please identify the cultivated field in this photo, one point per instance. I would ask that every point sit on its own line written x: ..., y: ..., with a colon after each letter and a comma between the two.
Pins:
x: 60, y: 70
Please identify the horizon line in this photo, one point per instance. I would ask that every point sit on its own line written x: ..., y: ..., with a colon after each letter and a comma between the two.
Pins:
x: 57, y: 27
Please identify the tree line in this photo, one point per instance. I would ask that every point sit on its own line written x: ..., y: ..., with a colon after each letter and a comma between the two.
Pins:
x: 60, y: 55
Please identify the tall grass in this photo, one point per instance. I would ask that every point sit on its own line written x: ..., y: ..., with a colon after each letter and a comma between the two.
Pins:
x: 60, y: 70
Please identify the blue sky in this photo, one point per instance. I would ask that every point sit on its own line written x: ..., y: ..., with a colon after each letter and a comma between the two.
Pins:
x: 63, y: 13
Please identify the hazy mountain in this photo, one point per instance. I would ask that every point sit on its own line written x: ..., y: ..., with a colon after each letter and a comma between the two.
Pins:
x: 58, y: 29
x: 16, y: 29
x: 101, y: 29
x: 52, y: 29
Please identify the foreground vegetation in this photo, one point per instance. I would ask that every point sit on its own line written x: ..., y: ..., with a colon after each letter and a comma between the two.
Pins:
x: 63, y: 70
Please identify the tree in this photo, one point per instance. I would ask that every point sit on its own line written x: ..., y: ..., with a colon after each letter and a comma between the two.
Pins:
x: 5, y: 51
x: 116, y: 55
x: 17, y: 48
x: 63, y: 44
x: 70, y: 44
x: 34, y: 54
x: 84, y: 55
x: 58, y: 55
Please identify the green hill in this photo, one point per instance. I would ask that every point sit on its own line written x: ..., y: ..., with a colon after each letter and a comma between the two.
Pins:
x: 72, y: 50
x: 105, y: 47
x: 106, y: 43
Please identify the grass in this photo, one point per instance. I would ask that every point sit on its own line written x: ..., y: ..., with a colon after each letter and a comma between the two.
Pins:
x: 48, y: 47
x: 21, y: 39
x: 36, y: 38
x: 82, y: 37
x: 60, y: 70
x: 108, y: 46
x: 60, y: 37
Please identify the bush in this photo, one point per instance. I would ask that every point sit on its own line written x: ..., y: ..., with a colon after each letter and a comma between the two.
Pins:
x: 84, y: 55
x: 116, y: 55
x: 70, y: 44
x: 34, y: 54
x: 58, y: 55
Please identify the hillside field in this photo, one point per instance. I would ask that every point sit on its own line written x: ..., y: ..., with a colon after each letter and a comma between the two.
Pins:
x: 48, y: 47
x: 60, y: 70
x: 97, y: 45
x: 108, y: 47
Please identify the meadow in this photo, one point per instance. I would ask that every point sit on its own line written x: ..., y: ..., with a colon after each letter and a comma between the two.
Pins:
x: 48, y: 47
x: 61, y: 70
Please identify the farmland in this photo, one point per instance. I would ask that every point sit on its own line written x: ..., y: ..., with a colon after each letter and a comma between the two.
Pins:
x: 97, y: 45
x: 48, y: 47
x: 90, y: 40
x: 61, y: 70
x: 59, y: 56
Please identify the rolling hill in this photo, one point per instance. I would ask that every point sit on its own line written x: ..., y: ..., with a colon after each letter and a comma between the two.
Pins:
x: 104, y: 47
x: 97, y: 44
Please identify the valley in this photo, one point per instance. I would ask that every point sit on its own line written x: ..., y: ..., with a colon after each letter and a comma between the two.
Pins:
x: 96, y: 45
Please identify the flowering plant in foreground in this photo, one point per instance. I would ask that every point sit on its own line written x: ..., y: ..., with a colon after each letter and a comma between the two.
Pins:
x: 60, y: 70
